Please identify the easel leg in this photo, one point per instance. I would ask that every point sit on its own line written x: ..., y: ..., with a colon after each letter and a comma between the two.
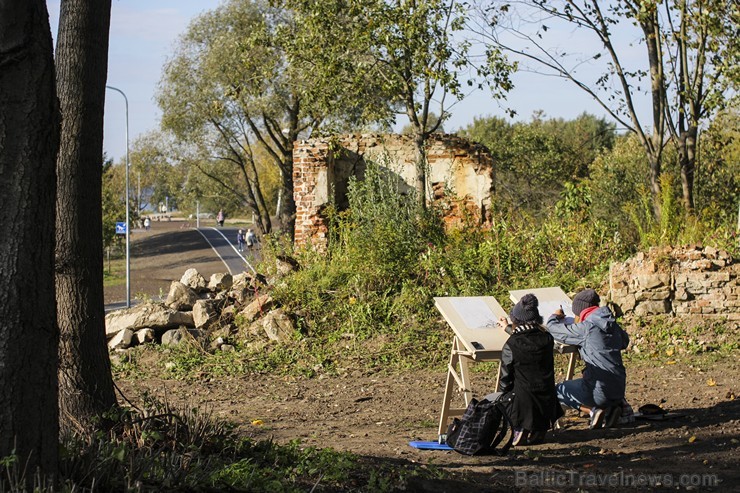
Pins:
x: 498, y: 376
x: 451, y: 380
x: 571, y: 366
x: 465, y: 377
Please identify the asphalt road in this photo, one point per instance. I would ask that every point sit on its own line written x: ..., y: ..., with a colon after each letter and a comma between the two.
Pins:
x: 223, y: 243
x: 163, y: 253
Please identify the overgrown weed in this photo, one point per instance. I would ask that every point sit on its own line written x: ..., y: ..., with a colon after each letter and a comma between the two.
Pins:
x: 161, y: 447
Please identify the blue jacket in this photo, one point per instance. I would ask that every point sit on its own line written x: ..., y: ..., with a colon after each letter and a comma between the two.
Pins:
x: 601, y: 341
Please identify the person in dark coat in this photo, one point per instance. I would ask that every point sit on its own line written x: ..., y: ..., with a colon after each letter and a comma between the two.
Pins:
x: 527, y: 370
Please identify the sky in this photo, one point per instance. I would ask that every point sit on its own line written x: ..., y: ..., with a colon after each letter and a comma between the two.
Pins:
x: 144, y: 33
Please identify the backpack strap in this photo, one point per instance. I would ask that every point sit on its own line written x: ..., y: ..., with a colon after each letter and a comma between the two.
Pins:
x: 506, y: 428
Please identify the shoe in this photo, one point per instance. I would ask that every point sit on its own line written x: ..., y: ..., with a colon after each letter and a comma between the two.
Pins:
x: 612, y: 416
x: 520, y: 438
x: 596, y: 419
x: 536, y: 437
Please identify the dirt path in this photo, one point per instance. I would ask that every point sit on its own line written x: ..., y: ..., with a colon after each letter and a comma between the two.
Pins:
x: 376, y: 416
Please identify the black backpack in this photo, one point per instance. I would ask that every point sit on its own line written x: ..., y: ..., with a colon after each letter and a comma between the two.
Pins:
x: 482, y: 428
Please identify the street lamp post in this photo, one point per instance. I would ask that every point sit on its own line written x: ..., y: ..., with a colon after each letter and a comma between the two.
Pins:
x: 128, y: 226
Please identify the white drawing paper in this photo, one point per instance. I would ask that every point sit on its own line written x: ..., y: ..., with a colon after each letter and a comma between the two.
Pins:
x: 474, y: 312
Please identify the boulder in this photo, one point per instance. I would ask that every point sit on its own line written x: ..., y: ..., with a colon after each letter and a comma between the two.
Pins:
x: 653, y: 308
x: 223, y: 332
x: 205, y: 312
x: 220, y: 281
x: 216, y: 343
x: 142, y: 336
x: 278, y: 326
x: 285, y: 264
x: 122, y: 340
x: 177, y: 336
x: 172, y: 337
x: 240, y: 293
x: 194, y: 280
x: 146, y: 315
x: 181, y: 296
x: 257, y: 307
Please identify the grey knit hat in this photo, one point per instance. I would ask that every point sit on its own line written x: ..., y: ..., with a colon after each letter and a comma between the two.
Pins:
x: 585, y: 299
x: 525, y: 312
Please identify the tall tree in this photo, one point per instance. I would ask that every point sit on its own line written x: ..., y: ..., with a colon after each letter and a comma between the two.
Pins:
x: 535, y: 159
x: 229, y: 88
x: 85, y: 381
x: 413, y: 48
x: 29, y: 129
x: 690, y: 49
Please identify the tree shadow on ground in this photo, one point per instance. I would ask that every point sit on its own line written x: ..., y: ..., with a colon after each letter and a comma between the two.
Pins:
x: 572, y: 452
x: 172, y: 242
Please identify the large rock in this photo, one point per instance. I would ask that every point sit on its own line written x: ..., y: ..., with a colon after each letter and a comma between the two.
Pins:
x: 278, y: 326
x: 194, y: 280
x: 122, y: 340
x: 143, y: 336
x: 204, y: 312
x: 152, y: 315
x: 256, y: 308
x: 181, y: 296
x: 178, y: 336
x: 173, y: 337
x: 286, y: 264
x: 240, y: 294
x: 220, y: 281
x: 653, y: 308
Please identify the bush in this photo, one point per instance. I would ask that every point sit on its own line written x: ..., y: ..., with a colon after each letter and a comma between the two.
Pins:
x: 371, y: 297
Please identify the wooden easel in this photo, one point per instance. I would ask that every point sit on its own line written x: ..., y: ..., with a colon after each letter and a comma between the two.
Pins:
x: 475, y: 340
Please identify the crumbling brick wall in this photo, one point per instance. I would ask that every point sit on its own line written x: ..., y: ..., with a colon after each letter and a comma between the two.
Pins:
x: 681, y: 281
x: 322, y: 168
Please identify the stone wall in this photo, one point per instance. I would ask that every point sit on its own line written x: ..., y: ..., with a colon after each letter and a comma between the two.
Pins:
x: 683, y: 281
x: 322, y: 169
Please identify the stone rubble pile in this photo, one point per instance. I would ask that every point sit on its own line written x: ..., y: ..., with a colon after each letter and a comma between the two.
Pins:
x: 689, y: 281
x: 212, y: 313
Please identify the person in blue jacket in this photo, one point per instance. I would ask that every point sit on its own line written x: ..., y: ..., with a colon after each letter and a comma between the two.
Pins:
x: 601, y: 340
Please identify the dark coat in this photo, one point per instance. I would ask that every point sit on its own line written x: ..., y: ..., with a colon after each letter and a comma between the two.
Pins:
x: 527, y: 368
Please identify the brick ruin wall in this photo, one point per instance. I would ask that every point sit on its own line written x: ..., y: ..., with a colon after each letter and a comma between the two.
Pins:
x: 321, y: 172
x: 682, y: 281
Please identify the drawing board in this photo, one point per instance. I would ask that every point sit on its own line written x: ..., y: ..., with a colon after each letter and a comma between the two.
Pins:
x: 550, y: 299
x: 474, y: 321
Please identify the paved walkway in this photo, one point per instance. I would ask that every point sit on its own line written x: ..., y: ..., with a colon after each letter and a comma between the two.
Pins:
x: 223, y: 242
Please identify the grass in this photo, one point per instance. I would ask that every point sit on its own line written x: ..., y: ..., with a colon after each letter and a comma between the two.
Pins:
x: 160, y: 447
x: 114, y: 272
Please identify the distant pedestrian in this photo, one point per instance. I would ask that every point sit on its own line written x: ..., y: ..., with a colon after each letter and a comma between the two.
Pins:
x: 240, y: 240
x: 220, y: 218
x: 251, y: 239
x: 147, y: 223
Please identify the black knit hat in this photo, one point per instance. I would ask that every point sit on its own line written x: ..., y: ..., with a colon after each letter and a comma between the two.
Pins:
x: 585, y: 299
x: 525, y: 312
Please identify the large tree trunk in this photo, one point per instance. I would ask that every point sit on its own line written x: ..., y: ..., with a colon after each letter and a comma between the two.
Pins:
x: 421, y: 169
x: 85, y: 382
x: 29, y: 128
x: 654, y: 145
x: 286, y: 213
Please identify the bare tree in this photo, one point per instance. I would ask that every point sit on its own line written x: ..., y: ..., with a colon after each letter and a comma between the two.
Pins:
x: 29, y: 130
x: 85, y: 381
x: 688, y: 45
